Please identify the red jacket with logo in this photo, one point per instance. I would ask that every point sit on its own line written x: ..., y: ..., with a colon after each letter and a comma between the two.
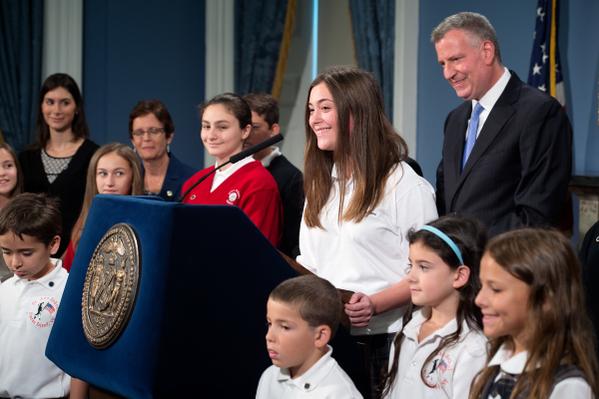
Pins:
x: 251, y: 188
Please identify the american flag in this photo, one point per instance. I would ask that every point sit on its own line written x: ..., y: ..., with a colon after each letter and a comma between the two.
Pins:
x: 545, y: 73
x: 51, y: 309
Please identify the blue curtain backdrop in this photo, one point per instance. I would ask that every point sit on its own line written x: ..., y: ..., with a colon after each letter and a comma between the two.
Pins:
x: 373, y: 25
x: 21, y: 27
x: 259, y: 28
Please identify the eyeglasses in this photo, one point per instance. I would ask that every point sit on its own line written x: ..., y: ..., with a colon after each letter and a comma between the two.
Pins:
x: 153, y: 131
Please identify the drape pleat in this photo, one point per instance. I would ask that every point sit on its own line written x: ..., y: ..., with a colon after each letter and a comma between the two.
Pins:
x: 284, y: 51
x: 21, y: 29
x: 373, y: 27
x: 259, y: 27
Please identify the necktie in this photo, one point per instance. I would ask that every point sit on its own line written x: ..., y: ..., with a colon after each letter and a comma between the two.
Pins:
x: 471, y: 136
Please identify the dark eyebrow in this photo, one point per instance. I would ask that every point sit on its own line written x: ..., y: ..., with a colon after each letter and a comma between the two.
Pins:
x: 215, y: 122
x: 320, y: 101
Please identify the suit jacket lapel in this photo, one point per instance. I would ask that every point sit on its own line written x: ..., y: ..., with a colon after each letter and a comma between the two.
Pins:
x: 500, y: 114
x: 455, y: 149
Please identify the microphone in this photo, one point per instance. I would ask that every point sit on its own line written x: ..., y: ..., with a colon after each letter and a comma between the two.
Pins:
x: 233, y: 159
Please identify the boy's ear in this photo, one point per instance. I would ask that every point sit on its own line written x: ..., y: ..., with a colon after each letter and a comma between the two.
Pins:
x: 322, y: 336
x: 461, y: 276
x: 275, y: 129
x: 54, y: 245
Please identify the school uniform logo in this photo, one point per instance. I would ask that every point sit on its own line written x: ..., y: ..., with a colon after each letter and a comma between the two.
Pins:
x: 42, y: 311
x: 233, y: 197
x: 436, y: 370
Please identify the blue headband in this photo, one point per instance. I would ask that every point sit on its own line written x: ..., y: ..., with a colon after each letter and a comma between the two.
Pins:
x: 447, y: 240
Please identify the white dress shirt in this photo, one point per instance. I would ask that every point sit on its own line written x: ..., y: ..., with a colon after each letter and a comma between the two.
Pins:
x: 371, y: 255
x: 272, y: 155
x: 222, y: 174
x: 490, y: 98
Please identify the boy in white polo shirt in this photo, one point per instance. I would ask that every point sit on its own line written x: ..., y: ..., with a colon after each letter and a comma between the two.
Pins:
x: 30, y: 227
x: 303, y: 314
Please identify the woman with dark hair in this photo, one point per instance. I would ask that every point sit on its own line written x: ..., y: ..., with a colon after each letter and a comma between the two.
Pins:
x: 151, y: 130
x: 226, y: 124
x: 57, y: 162
x: 362, y: 198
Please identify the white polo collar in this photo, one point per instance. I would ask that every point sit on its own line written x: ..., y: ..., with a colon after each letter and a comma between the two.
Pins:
x: 412, y: 329
x: 49, y: 280
x: 512, y: 364
x: 310, y: 380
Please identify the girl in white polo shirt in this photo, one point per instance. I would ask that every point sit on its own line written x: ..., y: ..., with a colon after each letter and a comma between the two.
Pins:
x: 441, y: 348
x: 361, y: 200
x: 541, y: 339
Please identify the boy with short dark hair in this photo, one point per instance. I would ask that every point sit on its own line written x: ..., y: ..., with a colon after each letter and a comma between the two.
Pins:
x: 30, y: 227
x: 303, y: 314
x: 265, y: 124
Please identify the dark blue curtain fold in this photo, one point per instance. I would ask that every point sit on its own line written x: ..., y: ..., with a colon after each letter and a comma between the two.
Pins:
x: 259, y: 28
x: 21, y: 29
x: 373, y: 25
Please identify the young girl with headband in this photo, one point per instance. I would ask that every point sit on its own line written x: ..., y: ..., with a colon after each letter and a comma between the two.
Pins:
x: 541, y: 340
x: 441, y: 346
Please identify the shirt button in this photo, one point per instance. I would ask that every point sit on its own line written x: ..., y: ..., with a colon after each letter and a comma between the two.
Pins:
x: 192, y: 197
x: 51, y: 283
x: 169, y: 193
x: 307, y: 385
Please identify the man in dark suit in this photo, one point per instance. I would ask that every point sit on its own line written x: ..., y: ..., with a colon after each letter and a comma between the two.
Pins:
x: 265, y: 124
x: 507, y: 149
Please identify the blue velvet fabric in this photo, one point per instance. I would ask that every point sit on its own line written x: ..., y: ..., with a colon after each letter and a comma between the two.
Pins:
x: 21, y: 30
x: 373, y: 24
x: 205, y: 276
x: 177, y: 174
x: 259, y: 26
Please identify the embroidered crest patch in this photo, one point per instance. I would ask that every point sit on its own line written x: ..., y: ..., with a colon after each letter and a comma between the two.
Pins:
x: 436, y: 370
x: 233, y: 197
x: 42, y: 311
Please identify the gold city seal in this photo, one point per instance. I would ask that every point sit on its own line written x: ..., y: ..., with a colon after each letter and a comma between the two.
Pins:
x: 110, y: 286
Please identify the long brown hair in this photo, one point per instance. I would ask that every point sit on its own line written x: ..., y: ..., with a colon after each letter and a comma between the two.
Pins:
x: 559, y: 330
x: 365, y: 155
x: 91, y: 188
x: 470, y: 237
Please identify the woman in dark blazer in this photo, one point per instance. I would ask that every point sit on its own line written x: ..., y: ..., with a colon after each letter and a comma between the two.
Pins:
x: 151, y: 130
x: 57, y: 162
